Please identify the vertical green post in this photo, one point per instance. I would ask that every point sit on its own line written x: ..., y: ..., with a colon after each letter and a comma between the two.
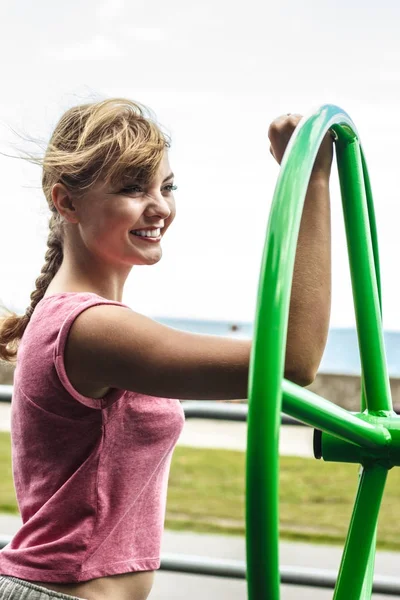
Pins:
x: 366, y: 591
x: 357, y: 551
x: 363, y: 277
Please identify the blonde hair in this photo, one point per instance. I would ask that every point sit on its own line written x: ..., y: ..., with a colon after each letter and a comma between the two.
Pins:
x: 113, y: 140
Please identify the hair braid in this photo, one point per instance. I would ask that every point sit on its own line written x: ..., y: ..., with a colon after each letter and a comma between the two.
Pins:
x: 53, y: 260
x: 12, y: 326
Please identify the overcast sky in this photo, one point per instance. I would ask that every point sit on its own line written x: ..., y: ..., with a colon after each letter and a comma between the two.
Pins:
x: 215, y: 73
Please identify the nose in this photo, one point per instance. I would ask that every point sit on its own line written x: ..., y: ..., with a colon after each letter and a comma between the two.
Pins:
x: 158, y: 207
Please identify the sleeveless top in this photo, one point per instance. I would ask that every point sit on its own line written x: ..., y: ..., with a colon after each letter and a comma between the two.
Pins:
x: 90, y: 475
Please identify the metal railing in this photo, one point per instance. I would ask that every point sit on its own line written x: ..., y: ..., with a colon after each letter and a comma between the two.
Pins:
x: 236, y: 569
x: 5, y: 393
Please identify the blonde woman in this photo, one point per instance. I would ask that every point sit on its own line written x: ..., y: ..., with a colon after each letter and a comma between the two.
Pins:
x: 94, y: 419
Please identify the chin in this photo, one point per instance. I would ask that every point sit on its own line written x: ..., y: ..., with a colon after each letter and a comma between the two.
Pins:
x: 153, y: 260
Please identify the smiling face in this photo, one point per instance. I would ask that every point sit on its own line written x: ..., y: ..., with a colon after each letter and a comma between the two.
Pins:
x: 124, y: 224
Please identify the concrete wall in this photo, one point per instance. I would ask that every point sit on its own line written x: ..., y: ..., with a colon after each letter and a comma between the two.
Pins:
x: 343, y: 390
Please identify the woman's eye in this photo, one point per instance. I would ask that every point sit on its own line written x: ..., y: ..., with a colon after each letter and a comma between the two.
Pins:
x: 133, y: 189
x: 171, y: 187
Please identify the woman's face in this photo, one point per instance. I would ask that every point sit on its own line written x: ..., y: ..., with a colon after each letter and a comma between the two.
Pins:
x: 125, y: 224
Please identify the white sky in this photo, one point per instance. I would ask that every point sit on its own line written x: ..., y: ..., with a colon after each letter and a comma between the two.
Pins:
x: 216, y: 74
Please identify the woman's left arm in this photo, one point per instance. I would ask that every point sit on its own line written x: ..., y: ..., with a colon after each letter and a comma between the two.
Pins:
x: 310, y: 302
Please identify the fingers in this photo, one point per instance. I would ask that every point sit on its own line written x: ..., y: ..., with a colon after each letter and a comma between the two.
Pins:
x: 290, y: 120
x: 280, y: 132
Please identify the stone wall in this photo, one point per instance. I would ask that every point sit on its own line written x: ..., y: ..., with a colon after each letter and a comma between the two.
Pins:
x: 345, y: 390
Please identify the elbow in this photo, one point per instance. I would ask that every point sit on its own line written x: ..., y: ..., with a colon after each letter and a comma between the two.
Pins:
x: 302, y: 377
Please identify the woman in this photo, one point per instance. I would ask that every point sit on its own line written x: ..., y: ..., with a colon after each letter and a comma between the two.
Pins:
x: 94, y: 423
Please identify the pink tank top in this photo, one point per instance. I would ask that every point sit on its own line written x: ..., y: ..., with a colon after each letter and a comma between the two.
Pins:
x: 90, y: 475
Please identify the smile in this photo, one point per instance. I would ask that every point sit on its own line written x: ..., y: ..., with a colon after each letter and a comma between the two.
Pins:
x: 148, y: 239
x: 152, y: 233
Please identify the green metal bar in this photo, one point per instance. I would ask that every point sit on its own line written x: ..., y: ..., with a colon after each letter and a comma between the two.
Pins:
x: 334, y: 448
x: 357, y: 550
x: 364, y: 281
x: 268, y: 354
x: 268, y: 349
x: 310, y: 408
x: 369, y: 575
x: 375, y: 248
x: 372, y: 225
x: 366, y: 591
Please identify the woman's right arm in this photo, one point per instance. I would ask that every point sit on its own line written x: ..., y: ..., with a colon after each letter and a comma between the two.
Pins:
x: 112, y: 346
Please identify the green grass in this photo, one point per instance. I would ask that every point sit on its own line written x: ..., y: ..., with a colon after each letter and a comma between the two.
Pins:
x: 206, y: 494
x: 8, y: 502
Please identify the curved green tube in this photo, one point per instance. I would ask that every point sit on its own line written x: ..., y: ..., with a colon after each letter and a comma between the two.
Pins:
x: 271, y: 320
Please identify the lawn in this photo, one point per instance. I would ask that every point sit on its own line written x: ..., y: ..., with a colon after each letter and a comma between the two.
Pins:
x: 206, y: 494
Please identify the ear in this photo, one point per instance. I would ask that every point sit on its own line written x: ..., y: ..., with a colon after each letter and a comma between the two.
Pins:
x: 63, y: 201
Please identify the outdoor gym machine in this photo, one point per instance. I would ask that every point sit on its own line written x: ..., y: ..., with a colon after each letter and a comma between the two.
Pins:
x: 371, y: 437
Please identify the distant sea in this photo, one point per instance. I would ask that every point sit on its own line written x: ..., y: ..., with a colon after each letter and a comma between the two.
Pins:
x: 341, y: 356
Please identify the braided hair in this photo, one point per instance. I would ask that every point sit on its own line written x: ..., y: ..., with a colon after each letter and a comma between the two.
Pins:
x: 53, y: 260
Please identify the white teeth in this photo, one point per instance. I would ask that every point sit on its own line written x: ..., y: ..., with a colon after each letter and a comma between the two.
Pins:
x: 148, y: 233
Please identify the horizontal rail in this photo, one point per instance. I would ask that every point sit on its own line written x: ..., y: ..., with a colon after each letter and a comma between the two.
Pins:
x: 195, y: 409
x: 205, y: 409
x: 299, y: 576
x: 5, y: 393
x: 312, y: 411
x: 236, y: 569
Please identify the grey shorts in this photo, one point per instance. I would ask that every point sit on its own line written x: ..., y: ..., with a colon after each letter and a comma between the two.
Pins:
x: 12, y: 588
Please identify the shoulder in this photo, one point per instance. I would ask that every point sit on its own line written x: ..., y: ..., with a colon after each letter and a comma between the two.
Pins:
x: 85, y: 338
x: 108, y: 343
x: 98, y: 326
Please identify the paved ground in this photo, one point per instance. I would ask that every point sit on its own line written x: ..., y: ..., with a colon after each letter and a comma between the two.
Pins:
x: 205, y: 433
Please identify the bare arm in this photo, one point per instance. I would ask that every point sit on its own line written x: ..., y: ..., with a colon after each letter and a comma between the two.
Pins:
x: 112, y: 346
x: 310, y: 302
